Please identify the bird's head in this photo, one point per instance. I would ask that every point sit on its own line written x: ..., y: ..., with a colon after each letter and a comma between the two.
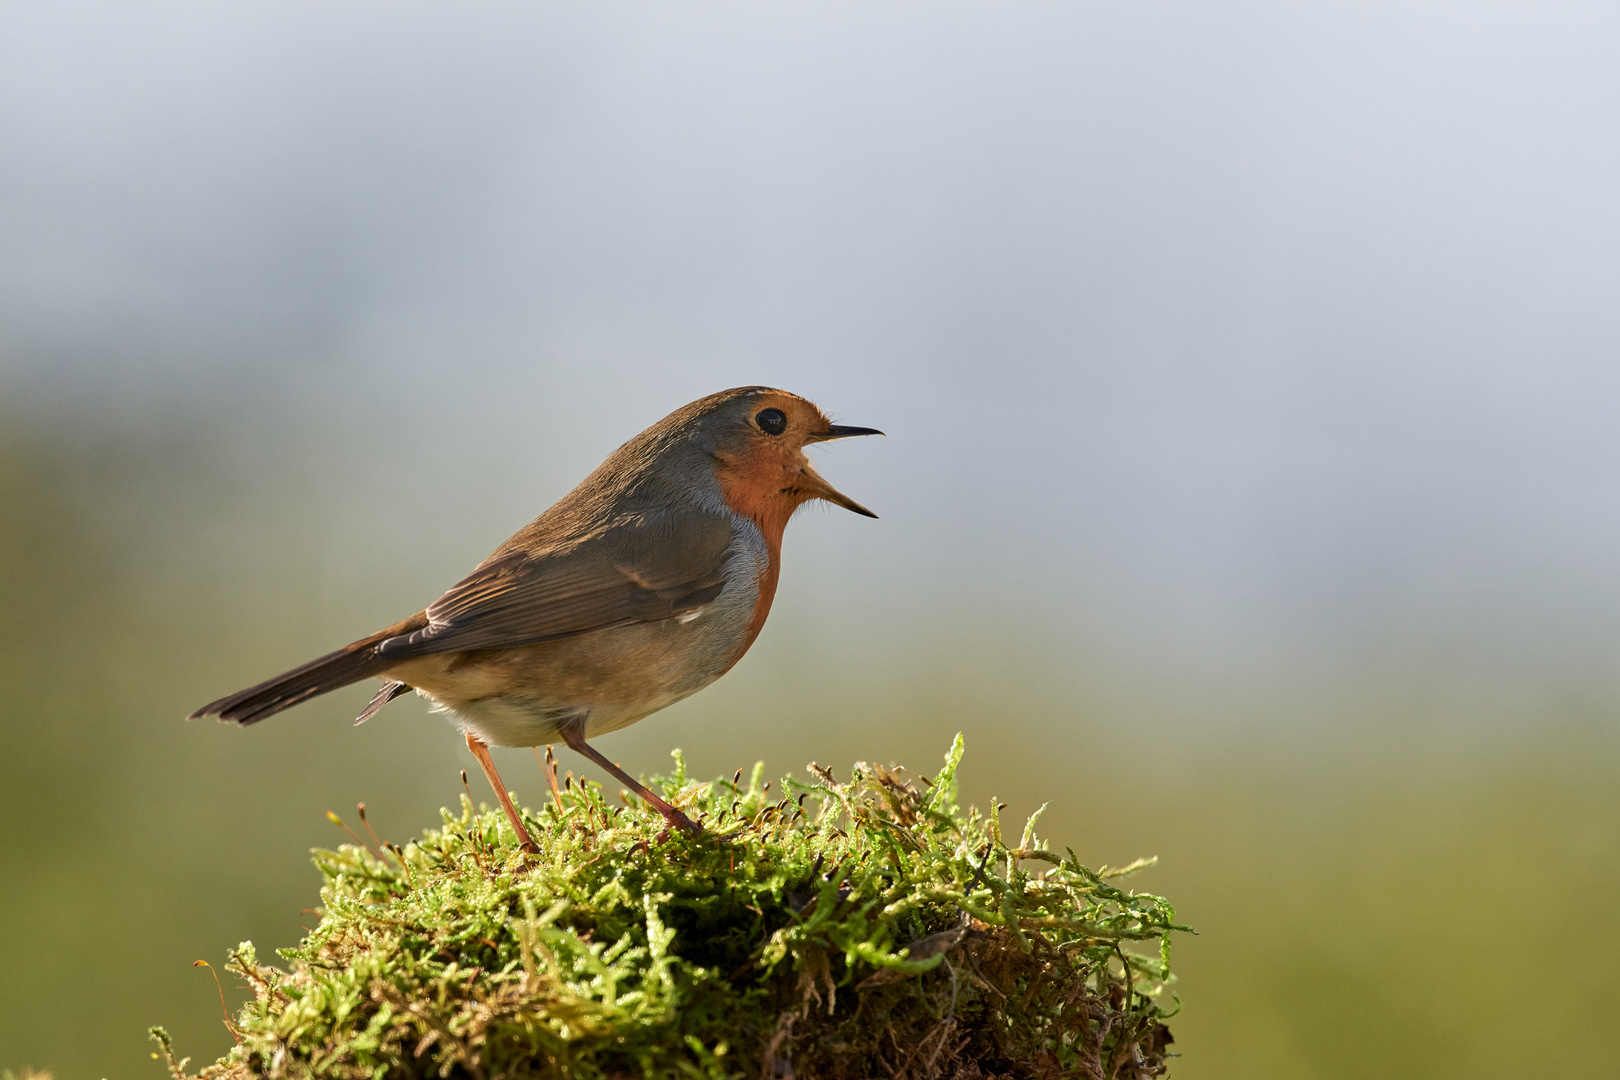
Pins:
x: 756, y: 437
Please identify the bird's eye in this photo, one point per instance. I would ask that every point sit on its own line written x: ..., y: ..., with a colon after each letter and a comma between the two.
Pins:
x: 771, y: 421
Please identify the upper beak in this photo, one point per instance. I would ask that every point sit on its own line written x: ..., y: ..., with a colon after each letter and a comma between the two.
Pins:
x: 840, y: 431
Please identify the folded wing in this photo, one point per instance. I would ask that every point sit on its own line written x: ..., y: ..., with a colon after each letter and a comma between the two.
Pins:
x: 639, y: 573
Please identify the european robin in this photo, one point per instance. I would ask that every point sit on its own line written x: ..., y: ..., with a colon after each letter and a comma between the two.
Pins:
x: 643, y: 585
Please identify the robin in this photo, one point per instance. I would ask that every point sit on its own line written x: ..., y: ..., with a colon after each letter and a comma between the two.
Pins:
x: 639, y: 588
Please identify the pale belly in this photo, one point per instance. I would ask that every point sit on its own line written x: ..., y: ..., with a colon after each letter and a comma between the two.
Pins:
x: 600, y: 681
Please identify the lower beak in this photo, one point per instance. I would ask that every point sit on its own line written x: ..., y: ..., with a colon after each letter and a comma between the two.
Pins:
x: 823, y: 490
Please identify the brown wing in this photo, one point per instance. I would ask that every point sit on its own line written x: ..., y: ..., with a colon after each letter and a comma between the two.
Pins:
x: 640, y: 572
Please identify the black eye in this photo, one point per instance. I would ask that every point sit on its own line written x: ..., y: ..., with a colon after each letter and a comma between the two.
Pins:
x: 771, y: 421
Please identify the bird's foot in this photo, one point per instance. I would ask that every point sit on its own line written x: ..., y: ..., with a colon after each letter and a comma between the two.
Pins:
x: 678, y: 820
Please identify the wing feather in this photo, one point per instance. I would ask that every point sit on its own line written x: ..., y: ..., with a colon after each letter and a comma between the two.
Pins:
x: 631, y: 574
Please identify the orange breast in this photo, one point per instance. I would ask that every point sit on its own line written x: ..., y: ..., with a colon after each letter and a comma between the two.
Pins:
x: 753, y: 488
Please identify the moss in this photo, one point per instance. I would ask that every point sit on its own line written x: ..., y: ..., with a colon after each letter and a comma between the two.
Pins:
x: 826, y: 929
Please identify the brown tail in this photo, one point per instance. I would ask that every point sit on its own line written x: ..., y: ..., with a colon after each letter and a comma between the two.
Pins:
x: 349, y: 664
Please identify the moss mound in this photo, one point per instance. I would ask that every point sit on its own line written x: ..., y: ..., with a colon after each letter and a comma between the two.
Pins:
x: 867, y: 928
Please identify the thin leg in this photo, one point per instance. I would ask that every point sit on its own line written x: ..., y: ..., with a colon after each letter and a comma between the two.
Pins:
x: 676, y: 819
x: 481, y: 752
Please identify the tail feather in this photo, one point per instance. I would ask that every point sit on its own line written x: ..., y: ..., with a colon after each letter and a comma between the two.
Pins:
x: 350, y: 664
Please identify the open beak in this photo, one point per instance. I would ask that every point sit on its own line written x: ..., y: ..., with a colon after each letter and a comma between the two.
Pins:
x: 820, y: 487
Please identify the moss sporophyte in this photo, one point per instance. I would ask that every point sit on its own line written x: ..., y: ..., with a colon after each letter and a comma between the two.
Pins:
x: 868, y: 927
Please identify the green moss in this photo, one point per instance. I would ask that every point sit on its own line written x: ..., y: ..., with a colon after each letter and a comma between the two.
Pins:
x: 840, y: 930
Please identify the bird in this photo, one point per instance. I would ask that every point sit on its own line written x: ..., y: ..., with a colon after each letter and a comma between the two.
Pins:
x: 637, y: 589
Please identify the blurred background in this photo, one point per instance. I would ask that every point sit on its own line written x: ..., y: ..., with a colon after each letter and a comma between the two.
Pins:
x: 1252, y: 487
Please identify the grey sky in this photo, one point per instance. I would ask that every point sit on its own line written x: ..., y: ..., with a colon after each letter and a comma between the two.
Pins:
x: 1218, y: 327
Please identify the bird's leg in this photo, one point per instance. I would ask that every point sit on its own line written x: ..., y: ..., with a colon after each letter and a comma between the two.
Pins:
x: 481, y: 752
x: 576, y: 740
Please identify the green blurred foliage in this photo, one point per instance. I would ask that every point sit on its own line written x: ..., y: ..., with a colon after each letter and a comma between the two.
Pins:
x: 1390, y: 889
